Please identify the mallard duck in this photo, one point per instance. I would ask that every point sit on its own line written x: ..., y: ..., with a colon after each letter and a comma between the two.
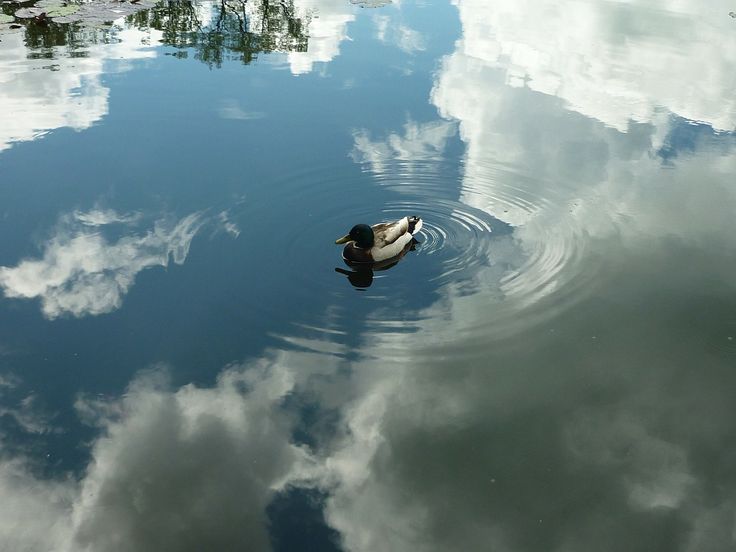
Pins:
x: 373, y: 244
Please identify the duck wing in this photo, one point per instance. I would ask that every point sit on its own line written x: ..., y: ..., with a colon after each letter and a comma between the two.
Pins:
x: 386, y: 233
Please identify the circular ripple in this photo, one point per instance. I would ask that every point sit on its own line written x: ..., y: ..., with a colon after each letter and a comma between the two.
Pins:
x: 498, y: 239
x: 457, y: 235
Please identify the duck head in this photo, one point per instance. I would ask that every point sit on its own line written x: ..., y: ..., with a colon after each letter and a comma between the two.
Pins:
x: 361, y: 234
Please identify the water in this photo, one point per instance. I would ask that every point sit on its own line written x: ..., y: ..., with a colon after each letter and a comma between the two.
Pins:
x: 187, y: 364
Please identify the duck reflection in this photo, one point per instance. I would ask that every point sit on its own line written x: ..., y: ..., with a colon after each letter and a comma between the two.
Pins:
x: 361, y: 274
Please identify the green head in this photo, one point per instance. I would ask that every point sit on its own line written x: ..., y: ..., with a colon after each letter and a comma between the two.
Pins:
x: 361, y: 234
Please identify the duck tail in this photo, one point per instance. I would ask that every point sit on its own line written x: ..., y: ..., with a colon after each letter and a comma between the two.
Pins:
x: 415, y: 225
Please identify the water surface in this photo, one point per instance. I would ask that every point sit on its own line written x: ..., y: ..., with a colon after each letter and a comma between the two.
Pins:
x: 182, y: 367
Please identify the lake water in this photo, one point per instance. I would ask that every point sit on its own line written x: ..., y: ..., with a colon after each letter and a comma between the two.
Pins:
x: 186, y: 363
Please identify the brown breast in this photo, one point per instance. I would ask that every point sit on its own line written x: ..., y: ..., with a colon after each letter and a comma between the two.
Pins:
x: 356, y: 254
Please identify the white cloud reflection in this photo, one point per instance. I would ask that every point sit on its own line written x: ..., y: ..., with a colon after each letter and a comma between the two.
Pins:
x: 35, y: 100
x: 230, y: 109
x: 614, y: 61
x: 551, y: 441
x: 33, y: 512
x: 186, y: 469
x: 82, y: 272
x: 28, y: 414
x: 419, y: 142
x: 544, y: 161
x: 406, y: 38
x: 592, y: 429
x: 327, y: 28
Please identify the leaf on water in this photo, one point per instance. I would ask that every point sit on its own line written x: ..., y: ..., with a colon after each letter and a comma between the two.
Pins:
x: 29, y: 13
x: 48, y: 4
x: 94, y: 14
x: 62, y: 11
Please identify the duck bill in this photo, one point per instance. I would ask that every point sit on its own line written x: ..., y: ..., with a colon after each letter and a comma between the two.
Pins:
x: 344, y: 239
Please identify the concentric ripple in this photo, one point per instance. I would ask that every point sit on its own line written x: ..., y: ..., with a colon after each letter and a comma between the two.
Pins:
x: 498, y: 239
x: 503, y: 242
x: 458, y: 236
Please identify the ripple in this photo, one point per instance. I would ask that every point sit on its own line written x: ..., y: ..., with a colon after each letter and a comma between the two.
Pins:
x: 509, y: 243
x: 458, y: 236
x: 454, y: 234
x: 729, y: 344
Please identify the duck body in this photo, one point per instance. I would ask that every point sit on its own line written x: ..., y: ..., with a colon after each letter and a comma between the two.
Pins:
x: 380, y: 242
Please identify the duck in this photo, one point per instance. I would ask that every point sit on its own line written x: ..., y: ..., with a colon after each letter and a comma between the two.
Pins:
x: 380, y: 242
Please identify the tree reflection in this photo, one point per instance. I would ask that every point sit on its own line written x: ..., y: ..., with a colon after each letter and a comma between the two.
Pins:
x: 215, y: 31
x: 236, y: 29
x: 44, y: 36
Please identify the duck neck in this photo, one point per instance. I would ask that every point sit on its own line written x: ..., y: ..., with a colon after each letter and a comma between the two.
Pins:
x: 366, y: 242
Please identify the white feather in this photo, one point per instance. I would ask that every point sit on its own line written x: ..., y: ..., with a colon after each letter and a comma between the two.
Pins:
x: 392, y: 250
x: 393, y: 232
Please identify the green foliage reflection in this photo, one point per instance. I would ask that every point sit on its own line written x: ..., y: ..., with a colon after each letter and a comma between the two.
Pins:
x: 236, y: 29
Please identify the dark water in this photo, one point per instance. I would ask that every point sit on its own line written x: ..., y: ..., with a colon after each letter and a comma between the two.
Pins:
x: 553, y: 368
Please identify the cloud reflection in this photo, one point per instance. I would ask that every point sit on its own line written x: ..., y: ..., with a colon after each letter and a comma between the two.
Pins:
x: 418, y: 142
x: 405, y: 38
x: 186, y: 469
x: 35, y: 100
x: 604, y: 427
x: 327, y: 28
x: 573, y: 436
x: 33, y: 511
x: 513, y: 422
x: 230, y: 109
x: 550, y: 166
x: 612, y: 61
x: 83, y: 272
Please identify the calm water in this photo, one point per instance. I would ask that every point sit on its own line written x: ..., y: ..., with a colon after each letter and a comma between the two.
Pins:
x: 553, y: 368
